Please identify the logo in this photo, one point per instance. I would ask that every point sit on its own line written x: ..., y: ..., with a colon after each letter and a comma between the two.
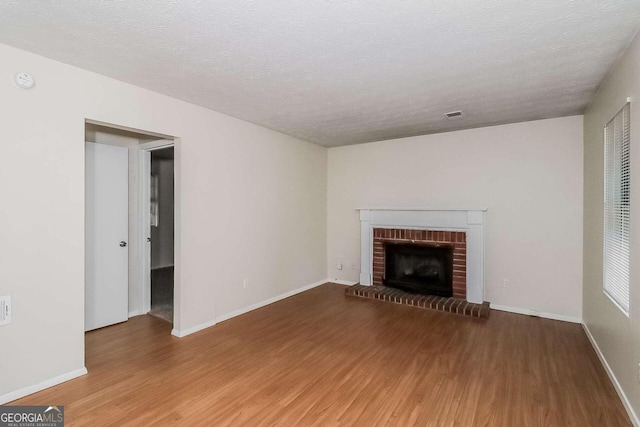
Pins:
x: 31, y: 416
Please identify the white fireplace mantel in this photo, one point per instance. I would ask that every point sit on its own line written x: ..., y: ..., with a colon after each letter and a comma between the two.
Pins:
x: 470, y: 221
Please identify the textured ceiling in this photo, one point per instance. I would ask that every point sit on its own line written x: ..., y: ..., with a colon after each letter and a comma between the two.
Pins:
x: 342, y: 72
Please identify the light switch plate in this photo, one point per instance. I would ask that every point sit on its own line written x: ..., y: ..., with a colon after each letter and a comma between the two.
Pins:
x: 5, y: 309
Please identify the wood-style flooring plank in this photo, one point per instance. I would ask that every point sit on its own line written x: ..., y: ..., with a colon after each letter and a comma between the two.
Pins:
x: 322, y: 358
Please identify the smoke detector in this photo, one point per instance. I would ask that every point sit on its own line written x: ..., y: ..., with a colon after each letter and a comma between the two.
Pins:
x: 453, y: 115
x: 24, y: 80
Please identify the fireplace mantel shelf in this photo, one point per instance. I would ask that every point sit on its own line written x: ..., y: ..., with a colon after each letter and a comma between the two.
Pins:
x: 469, y: 221
x: 421, y: 209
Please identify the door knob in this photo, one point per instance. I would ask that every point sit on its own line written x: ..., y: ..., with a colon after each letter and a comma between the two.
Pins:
x: 123, y: 244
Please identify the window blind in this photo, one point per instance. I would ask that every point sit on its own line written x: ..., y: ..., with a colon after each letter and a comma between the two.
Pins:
x: 617, y: 208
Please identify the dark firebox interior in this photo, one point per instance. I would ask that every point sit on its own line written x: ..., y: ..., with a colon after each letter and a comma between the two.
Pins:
x: 419, y: 268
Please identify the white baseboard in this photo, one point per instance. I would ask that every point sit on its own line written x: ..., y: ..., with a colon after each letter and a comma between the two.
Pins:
x: 536, y: 313
x: 625, y: 402
x: 9, y: 397
x: 135, y: 313
x: 244, y: 310
x: 342, y: 282
x: 180, y: 334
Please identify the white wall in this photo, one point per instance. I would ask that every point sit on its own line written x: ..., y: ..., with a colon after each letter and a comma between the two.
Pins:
x: 253, y: 205
x: 617, y: 335
x: 528, y: 175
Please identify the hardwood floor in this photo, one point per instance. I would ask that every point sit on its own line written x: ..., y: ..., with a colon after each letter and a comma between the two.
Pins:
x: 322, y: 358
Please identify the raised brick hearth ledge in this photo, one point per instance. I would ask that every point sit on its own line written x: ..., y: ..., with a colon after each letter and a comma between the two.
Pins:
x: 447, y: 305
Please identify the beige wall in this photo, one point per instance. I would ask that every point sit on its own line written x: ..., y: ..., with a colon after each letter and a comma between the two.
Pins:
x: 617, y: 335
x: 253, y: 206
x: 528, y: 175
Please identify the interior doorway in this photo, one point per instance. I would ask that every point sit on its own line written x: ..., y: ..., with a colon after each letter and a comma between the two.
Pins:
x: 136, y: 241
x: 161, y: 232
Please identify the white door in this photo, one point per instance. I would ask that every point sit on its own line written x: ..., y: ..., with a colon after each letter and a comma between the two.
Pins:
x: 106, y: 250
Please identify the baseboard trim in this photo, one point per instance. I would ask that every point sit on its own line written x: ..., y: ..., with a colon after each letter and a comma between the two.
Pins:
x: 343, y: 282
x: 227, y: 316
x: 135, y: 313
x: 529, y: 312
x: 616, y: 385
x: 14, y: 395
x: 182, y: 334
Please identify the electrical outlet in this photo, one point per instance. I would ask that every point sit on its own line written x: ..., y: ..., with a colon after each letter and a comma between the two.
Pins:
x: 245, y: 283
x: 5, y: 310
x: 506, y: 283
x: 339, y: 264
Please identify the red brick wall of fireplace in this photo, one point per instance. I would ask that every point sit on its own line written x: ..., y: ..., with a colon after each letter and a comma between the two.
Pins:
x: 456, y: 238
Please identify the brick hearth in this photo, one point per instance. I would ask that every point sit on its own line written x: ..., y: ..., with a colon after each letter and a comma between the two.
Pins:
x: 448, y: 305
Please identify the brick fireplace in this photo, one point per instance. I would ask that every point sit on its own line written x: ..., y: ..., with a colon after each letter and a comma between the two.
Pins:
x: 460, y: 230
x: 456, y: 240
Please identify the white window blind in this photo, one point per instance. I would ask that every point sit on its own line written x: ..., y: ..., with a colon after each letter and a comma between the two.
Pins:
x: 616, y: 208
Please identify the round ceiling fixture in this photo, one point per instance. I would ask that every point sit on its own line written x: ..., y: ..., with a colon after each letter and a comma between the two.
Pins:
x: 24, y: 80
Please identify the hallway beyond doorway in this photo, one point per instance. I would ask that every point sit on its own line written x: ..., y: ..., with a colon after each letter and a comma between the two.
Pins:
x: 162, y: 293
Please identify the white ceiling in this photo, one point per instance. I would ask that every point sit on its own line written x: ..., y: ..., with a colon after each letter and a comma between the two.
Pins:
x: 342, y: 72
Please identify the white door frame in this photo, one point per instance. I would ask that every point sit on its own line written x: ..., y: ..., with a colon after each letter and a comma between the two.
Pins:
x: 144, y: 220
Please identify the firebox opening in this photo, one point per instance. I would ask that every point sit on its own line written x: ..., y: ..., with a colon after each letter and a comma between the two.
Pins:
x: 420, y: 268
